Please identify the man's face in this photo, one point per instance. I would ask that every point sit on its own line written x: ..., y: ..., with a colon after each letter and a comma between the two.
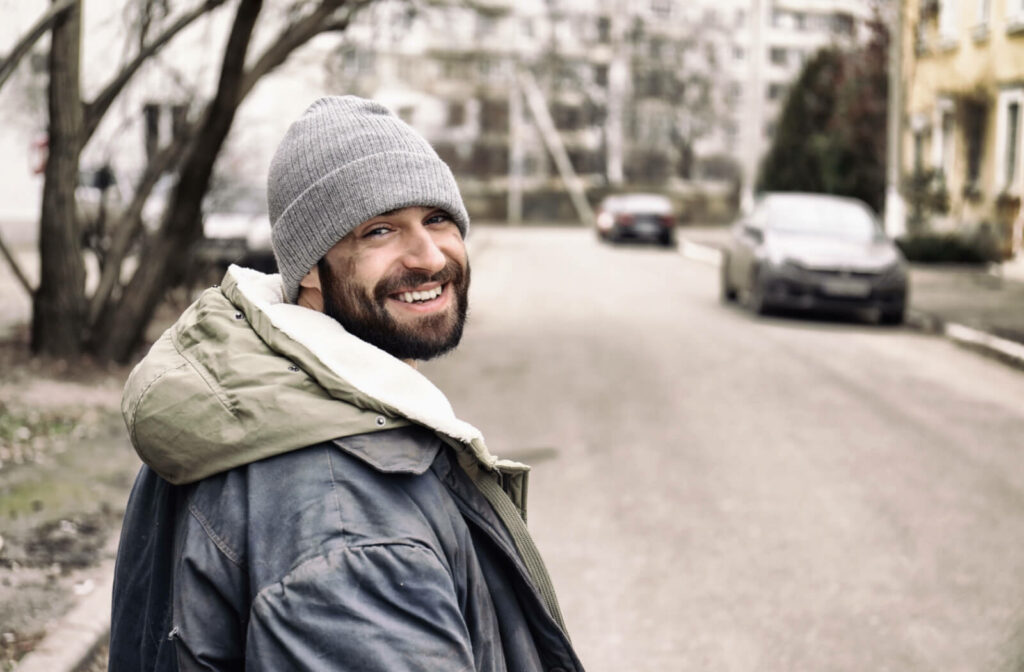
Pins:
x: 400, y: 281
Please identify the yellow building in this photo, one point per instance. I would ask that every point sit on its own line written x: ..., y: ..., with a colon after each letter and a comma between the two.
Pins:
x: 962, y: 69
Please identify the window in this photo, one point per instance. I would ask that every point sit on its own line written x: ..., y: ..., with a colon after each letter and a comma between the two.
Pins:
x: 982, y: 9
x: 842, y: 24
x: 604, y: 29
x: 982, y: 12
x: 943, y: 137
x: 777, y: 55
x: 975, y: 113
x: 782, y: 19
x: 918, y: 151
x: 1013, y: 130
x: 1008, y: 140
x: 456, y: 113
x: 1014, y: 15
x: 661, y: 8
x: 948, y: 20
x: 776, y: 91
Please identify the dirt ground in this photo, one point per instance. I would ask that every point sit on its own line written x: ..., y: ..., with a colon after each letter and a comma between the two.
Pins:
x: 66, y: 468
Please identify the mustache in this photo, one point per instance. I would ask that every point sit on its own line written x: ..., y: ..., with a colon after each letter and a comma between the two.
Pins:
x: 452, y: 272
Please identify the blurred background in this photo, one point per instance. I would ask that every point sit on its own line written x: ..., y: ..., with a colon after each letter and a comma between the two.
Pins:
x: 752, y: 448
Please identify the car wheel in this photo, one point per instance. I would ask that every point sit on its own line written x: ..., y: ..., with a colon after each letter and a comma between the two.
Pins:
x: 893, y: 316
x: 668, y: 240
x: 728, y: 292
x: 756, y: 300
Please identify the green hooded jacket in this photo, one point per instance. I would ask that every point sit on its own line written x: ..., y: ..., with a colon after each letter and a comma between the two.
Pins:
x: 244, y: 375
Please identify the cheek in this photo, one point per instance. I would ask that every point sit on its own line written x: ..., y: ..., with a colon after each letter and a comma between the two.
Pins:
x: 455, y: 248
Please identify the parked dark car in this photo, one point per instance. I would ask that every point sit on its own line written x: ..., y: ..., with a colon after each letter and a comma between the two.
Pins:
x: 814, y: 252
x: 647, y: 217
x: 236, y: 230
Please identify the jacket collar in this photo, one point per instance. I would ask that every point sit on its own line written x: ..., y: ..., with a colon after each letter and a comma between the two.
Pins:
x: 347, y: 367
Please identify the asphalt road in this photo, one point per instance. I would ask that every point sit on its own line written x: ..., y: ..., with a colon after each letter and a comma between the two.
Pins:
x: 715, y: 491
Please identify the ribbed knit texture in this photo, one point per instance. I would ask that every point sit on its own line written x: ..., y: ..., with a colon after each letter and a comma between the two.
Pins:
x: 347, y: 160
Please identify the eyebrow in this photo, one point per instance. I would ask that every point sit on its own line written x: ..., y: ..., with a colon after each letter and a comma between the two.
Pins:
x: 393, y: 211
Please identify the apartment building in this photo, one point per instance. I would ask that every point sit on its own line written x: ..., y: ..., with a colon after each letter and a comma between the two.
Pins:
x: 636, y: 91
x: 962, y: 66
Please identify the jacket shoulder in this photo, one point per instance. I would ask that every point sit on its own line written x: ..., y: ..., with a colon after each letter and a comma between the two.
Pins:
x: 357, y: 491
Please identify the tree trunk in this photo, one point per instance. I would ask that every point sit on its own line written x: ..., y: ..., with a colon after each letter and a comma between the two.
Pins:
x: 122, y: 328
x: 58, y: 319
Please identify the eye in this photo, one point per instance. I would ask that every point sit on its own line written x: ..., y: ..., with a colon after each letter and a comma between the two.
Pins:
x: 376, y: 231
x: 439, y: 217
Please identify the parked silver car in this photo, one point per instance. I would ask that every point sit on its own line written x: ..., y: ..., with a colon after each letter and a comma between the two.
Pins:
x: 814, y: 252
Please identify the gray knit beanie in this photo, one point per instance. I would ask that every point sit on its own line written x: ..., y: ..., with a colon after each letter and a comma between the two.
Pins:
x: 347, y: 160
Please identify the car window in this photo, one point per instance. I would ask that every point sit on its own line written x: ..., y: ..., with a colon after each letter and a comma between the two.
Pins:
x: 819, y: 216
x: 243, y: 201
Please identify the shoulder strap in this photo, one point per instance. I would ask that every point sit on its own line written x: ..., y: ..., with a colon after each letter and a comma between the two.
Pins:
x: 487, y: 483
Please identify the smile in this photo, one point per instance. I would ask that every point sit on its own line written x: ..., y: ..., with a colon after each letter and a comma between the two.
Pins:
x: 420, y: 297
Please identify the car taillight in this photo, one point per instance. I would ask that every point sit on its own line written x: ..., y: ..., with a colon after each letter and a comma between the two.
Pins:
x: 668, y: 221
x: 624, y: 220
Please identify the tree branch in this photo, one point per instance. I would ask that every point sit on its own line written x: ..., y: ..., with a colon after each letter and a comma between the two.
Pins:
x: 22, y: 278
x: 298, y: 33
x: 120, y: 327
x: 45, y: 22
x: 94, y: 111
x: 130, y: 224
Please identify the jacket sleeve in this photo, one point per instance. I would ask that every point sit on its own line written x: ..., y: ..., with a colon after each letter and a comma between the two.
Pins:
x: 387, y: 607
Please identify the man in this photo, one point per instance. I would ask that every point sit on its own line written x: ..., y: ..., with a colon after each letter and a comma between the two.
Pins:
x: 311, y: 502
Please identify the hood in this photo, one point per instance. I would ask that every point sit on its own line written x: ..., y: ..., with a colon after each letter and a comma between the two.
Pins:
x: 243, y: 375
x: 820, y: 252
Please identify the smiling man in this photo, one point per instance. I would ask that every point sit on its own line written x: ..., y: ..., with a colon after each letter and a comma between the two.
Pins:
x: 310, y: 500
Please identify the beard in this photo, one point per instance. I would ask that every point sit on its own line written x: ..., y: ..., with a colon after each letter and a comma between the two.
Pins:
x: 365, y: 315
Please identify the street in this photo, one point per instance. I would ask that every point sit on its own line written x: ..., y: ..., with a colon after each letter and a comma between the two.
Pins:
x: 715, y: 491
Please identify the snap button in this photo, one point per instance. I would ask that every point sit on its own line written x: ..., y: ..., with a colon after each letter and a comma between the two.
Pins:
x: 380, y: 420
x: 293, y: 368
x: 238, y: 316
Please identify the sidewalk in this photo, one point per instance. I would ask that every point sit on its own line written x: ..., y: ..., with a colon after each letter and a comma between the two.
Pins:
x: 977, y: 306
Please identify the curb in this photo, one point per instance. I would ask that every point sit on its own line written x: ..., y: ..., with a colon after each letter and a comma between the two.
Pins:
x: 1006, y: 351
x: 71, y: 644
x: 1009, y: 352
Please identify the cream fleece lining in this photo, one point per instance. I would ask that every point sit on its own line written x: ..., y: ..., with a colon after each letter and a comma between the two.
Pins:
x: 365, y: 367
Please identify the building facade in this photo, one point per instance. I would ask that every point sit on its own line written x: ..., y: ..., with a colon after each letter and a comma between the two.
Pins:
x: 962, y: 66
x: 637, y: 92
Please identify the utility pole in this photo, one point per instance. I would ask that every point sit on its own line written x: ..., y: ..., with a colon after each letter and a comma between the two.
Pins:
x: 617, y: 82
x: 895, y: 213
x: 753, y: 123
x: 515, y: 153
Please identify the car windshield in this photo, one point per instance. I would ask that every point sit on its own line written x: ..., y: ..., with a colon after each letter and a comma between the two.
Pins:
x: 240, y: 201
x: 821, y: 216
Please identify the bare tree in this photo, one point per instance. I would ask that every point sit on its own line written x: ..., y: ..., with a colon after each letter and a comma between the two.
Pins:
x: 110, y: 323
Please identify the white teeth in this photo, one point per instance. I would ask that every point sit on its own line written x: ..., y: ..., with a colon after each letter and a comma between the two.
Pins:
x: 411, y: 297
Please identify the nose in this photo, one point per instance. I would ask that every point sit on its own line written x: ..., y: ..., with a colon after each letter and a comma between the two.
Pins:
x: 422, y: 252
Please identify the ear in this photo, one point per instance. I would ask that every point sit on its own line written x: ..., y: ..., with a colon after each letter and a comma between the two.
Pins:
x: 310, y: 292
x: 311, y: 280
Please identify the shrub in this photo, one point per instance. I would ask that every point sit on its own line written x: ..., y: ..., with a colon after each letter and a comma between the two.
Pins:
x: 934, y: 248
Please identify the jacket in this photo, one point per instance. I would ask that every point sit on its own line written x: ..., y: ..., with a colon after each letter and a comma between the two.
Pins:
x: 311, y: 503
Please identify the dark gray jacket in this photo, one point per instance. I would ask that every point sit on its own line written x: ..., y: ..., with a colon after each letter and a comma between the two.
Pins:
x: 312, y: 503
x: 373, y: 552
